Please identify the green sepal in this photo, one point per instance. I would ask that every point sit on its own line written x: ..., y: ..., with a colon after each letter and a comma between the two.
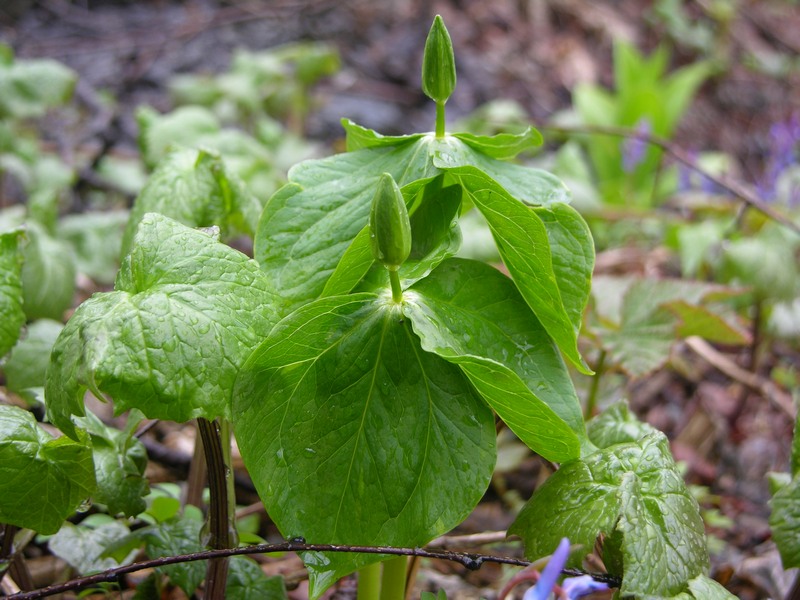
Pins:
x: 390, y: 228
x: 438, y: 63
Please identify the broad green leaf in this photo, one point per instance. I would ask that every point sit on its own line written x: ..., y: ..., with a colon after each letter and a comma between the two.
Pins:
x: 196, y: 188
x: 704, y: 322
x: 471, y: 314
x: 341, y: 408
x: 185, y: 314
x: 26, y: 365
x: 48, y: 275
x: 309, y: 223
x: 83, y: 547
x: 631, y: 492
x: 30, y: 87
x: 353, y: 266
x: 502, y: 146
x: 119, y: 464
x: 359, y: 137
x: 12, y: 315
x: 524, y: 245
x: 246, y: 580
x: 95, y: 238
x: 42, y: 480
x: 784, y: 521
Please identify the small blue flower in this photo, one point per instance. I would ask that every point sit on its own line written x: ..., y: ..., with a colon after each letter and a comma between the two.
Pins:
x: 634, y: 148
x: 544, y: 587
x: 573, y: 587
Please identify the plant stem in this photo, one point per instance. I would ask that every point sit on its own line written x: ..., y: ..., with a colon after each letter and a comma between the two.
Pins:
x: 393, y: 582
x: 216, y: 436
x: 369, y: 582
x: 397, y: 291
x: 440, y: 119
x: 591, y: 400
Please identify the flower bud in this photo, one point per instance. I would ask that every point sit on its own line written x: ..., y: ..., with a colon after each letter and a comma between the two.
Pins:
x: 438, y: 63
x: 389, y: 227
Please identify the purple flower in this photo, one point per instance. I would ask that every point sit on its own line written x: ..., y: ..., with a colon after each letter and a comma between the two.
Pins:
x: 544, y: 587
x: 784, y: 139
x: 573, y: 587
x: 634, y: 148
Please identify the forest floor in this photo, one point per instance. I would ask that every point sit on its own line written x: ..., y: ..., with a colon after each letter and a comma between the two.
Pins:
x: 728, y: 428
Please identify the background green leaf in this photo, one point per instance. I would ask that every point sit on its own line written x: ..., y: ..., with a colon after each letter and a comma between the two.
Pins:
x: 26, y: 365
x: 12, y: 315
x: 340, y: 407
x: 48, y: 274
x: 171, y: 337
x: 634, y: 494
x: 42, y: 480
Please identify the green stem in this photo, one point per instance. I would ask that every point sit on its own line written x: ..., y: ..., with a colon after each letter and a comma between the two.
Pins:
x: 591, y: 400
x: 440, y: 119
x: 216, y: 437
x: 369, y: 582
x: 393, y: 582
x: 397, y: 291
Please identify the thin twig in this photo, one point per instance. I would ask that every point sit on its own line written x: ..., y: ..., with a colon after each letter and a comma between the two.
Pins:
x: 469, y: 560
x: 734, y: 187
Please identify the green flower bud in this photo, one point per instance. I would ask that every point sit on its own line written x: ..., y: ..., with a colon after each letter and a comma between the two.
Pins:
x: 389, y: 227
x: 438, y: 63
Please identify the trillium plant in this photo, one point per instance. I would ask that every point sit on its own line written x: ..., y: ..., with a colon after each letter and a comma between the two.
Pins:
x: 363, y: 366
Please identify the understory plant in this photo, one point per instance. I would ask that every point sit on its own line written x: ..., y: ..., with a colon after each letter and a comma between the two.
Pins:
x: 362, y: 365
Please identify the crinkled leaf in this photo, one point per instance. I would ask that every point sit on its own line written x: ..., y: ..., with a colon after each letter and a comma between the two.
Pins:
x: 120, y: 460
x: 26, y: 365
x: 12, y: 315
x: 246, y: 580
x: 83, y: 548
x: 522, y: 238
x: 502, y: 146
x: 158, y: 134
x: 630, y: 490
x: 95, y: 238
x: 616, y: 425
x: 196, y: 188
x: 169, y: 340
x: 472, y: 315
x: 42, y: 480
x: 174, y: 537
x: 30, y: 87
x: 48, y: 275
x: 341, y: 407
x: 705, y: 588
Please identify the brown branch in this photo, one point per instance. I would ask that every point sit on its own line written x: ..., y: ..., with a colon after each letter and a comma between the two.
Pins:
x: 733, y: 186
x: 468, y: 560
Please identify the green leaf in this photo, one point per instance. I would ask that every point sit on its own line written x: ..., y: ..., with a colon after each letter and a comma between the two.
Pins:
x: 158, y: 134
x: 309, y: 223
x: 438, y: 63
x: 632, y: 492
x: 30, y: 87
x: 174, y: 537
x: 472, y: 315
x: 359, y: 137
x: 246, y: 580
x: 617, y: 425
x: 12, y: 315
x: 705, y: 588
x: 119, y: 462
x: 42, y: 480
x: 95, y: 238
x: 340, y: 407
x: 48, y: 275
x: 524, y: 245
x: 784, y: 520
x: 83, y: 548
x: 196, y: 188
x: 502, y: 146
x: 171, y: 337
x: 26, y: 365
